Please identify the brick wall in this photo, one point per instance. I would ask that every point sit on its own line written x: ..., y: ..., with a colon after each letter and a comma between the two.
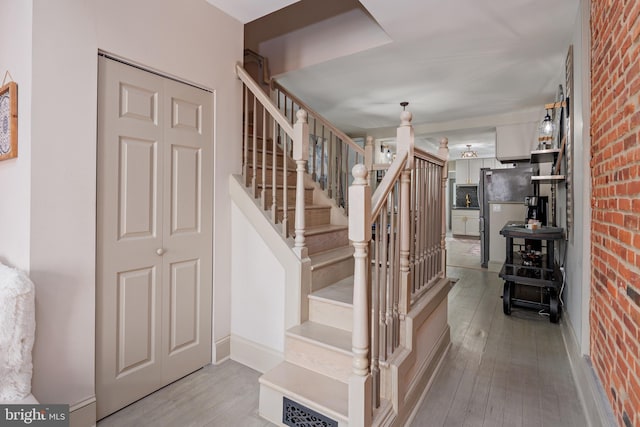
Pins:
x: 615, y: 243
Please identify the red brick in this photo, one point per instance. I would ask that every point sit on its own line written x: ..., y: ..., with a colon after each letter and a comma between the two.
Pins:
x: 615, y: 200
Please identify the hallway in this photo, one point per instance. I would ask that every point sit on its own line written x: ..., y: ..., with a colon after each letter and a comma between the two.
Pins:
x: 499, y: 371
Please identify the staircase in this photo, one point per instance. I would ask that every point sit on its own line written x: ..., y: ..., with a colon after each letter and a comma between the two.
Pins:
x: 335, y: 371
x: 318, y: 351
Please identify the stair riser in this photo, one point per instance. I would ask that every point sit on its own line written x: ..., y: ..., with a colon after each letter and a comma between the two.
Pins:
x: 291, y: 196
x: 290, y: 163
x: 312, y: 217
x: 291, y: 176
x: 327, y: 313
x: 325, y: 241
x: 323, y: 360
x: 270, y: 404
x: 332, y: 273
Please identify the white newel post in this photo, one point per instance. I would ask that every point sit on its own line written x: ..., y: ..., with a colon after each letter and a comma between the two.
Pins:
x: 369, y: 159
x: 443, y: 152
x: 405, y: 143
x: 300, y: 155
x: 360, y: 406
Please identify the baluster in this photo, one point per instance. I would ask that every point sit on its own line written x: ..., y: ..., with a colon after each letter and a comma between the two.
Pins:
x: 394, y: 275
x: 360, y: 235
x: 375, y: 316
x: 245, y: 137
x: 274, y: 166
x: 263, y: 193
x: 285, y: 189
x: 443, y: 152
x: 300, y: 155
x: 323, y: 160
x: 384, y: 274
x: 254, y: 157
x: 315, y: 149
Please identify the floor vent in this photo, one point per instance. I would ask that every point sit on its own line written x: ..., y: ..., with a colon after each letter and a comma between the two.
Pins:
x: 297, y: 415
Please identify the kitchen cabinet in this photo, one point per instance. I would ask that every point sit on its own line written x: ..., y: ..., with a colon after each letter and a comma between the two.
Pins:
x: 468, y: 170
x: 465, y: 222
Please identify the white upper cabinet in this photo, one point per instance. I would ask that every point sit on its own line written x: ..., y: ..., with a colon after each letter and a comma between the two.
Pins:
x: 468, y: 170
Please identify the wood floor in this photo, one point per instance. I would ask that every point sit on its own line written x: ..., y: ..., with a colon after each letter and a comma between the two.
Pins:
x: 500, y: 371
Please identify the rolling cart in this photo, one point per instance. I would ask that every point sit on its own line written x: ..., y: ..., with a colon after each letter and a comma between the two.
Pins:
x: 527, y: 268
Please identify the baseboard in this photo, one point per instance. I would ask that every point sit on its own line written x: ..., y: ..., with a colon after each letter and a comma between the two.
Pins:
x: 594, y: 401
x: 254, y: 355
x: 418, y: 404
x: 83, y: 414
x: 222, y: 350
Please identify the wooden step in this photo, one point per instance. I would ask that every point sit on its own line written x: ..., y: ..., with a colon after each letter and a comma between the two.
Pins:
x: 260, y: 141
x: 314, y: 215
x: 291, y: 164
x: 317, y: 392
x: 291, y: 195
x: 331, y: 266
x: 320, y: 348
x: 291, y: 175
x: 333, y: 305
x: 324, y: 238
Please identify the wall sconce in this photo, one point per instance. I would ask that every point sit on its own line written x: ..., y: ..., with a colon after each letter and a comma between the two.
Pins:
x: 469, y: 153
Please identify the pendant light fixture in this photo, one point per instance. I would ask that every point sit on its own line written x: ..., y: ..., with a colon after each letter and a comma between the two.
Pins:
x: 545, y: 131
x: 469, y: 153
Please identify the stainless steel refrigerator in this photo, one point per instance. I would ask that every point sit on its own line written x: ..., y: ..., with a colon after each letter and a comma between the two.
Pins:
x: 501, y: 186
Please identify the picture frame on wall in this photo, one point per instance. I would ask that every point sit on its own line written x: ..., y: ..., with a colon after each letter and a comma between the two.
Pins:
x: 9, y: 121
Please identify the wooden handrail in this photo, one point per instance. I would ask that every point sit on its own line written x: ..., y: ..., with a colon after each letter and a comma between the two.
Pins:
x: 393, y: 174
x: 337, y: 132
x: 430, y: 157
x: 271, y: 107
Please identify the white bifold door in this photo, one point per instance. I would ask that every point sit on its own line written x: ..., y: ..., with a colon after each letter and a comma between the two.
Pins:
x: 154, y: 233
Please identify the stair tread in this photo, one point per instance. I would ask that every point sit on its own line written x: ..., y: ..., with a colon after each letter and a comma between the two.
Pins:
x: 294, y: 382
x: 331, y: 256
x: 327, y: 336
x: 280, y: 186
x: 309, y: 207
x: 321, y: 229
x: 341, y: 292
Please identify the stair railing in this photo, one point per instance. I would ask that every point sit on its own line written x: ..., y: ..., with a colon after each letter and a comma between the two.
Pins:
x: 266, y: 128
x: 399, y: 240
x: 332, y: 153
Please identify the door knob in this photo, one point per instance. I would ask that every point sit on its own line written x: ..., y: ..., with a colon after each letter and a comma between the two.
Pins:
x: 160, y: 251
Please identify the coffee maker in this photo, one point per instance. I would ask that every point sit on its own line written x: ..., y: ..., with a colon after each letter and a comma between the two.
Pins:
x: 536, y: 209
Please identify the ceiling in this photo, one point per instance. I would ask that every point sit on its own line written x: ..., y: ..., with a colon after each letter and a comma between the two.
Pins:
x: 451, y: 60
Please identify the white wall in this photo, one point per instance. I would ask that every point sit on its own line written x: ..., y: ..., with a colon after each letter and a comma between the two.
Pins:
x: 577, y: 290
x: 15, y: 56
x: 190, y: 40
x: 258, y: 294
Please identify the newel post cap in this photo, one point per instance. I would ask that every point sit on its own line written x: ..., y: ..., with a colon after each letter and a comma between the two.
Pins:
x: 359, y: 173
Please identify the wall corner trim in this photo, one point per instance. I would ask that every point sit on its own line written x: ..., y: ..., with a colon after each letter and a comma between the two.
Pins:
x: 594, y: 402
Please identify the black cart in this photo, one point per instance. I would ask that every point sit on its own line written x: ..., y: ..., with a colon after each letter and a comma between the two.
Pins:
x: 532, y: 277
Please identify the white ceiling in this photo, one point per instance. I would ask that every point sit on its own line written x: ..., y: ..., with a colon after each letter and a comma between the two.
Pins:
x: 452, y: 60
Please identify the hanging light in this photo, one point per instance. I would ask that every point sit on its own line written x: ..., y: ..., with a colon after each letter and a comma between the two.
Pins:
x: 545, y: 131
x: 468, y: 153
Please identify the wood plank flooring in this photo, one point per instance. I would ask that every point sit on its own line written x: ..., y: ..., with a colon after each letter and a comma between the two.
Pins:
x: 500, y: 371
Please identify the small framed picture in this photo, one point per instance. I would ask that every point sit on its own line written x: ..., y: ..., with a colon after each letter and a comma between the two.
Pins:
x: 9, y: 121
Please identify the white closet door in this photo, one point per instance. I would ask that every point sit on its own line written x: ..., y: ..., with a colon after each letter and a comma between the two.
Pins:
x: 154, y: 233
